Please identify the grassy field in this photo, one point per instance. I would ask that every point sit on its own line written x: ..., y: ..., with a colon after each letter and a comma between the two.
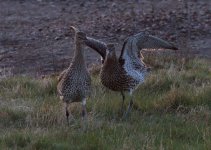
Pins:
x: 172, y: 111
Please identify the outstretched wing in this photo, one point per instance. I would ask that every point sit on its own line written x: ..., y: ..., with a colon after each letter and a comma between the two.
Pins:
x: 134, y: 44
x: 98, y: 46
x: 146, y: 41
x: 130, y: 57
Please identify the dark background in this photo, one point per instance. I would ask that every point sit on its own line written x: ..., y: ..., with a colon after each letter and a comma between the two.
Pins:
x: 35, y: 37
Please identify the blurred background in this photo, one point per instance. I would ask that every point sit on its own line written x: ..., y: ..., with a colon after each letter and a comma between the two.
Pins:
x: 35, y: 38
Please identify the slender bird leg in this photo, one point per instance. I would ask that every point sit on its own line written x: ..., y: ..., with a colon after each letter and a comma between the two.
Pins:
x: 67, y: 113
x: 123, y: 100
x: 129, y: 106
x: 84, y: 114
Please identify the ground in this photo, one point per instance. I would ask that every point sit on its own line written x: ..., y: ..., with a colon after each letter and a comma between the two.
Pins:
x: 172, y: 109
x: 36, y: 39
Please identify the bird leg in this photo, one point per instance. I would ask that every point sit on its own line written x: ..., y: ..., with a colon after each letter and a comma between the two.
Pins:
x: 84, y: 115
x: 123, y: 100
x: 67, y: 114
x: 129, y: 106
x: 84, y: 111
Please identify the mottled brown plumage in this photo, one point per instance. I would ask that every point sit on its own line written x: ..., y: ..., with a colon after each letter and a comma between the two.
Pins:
x: 127, y: 72
x: 75, y: 82
x: 113, y: 74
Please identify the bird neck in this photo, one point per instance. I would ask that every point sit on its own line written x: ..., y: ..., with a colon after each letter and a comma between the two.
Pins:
x: 78, y: 54
x: 111, y: 61
x: 111, y: 56
x: 97, y: 45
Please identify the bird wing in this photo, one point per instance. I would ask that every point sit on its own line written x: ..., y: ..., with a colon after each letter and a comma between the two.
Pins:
x: 134, y: 44
x: 146, y: 41
x: 97, y: 45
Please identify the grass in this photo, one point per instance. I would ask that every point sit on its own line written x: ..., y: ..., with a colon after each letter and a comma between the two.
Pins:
x: 172, y: 110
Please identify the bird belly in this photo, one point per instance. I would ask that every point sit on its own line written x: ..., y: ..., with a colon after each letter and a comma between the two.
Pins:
x: 117, y: 81
x: 74, y: 89
x: 74, y: 95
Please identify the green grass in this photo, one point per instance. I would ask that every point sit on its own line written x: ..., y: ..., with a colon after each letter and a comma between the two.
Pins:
x: 172, y: 110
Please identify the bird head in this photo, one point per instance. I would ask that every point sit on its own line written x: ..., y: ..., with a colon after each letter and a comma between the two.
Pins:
x: 79, y: 35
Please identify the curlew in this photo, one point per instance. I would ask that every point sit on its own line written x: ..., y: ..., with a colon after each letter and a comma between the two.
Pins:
x: 75, y: 82
x: 126, y: 72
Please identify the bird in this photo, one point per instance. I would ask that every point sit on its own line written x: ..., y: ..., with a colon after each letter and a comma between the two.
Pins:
x: 126, y: 72
x: 75, y: 82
